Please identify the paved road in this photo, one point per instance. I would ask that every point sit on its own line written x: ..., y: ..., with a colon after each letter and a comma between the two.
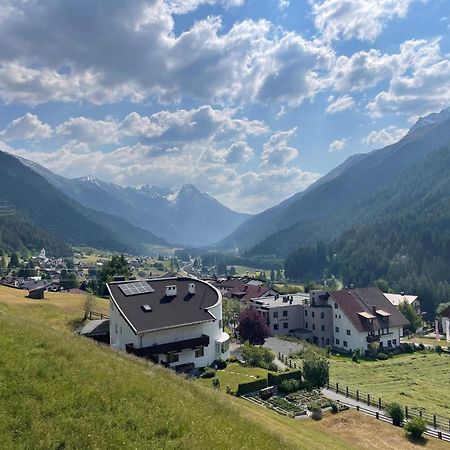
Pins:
x: 282, y: 346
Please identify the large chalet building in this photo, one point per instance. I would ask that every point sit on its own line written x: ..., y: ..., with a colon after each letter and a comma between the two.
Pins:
x: 175, y: 321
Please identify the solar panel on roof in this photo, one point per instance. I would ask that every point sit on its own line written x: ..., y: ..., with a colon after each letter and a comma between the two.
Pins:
x: 138, y: 287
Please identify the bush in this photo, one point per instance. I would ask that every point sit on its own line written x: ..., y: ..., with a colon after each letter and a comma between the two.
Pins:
x: 334, y: 407
x: 438, y: 349
x: 416, y: 427
x: 421, y: 347
x: 208, y: 373
x: 233, y: 359
x: 316, y: 370
x: 356, y: 355
x: 409, y: 348
x: 314, y: 406
x: 395, y: 412
x: 255, y: 356
x: 276, y: 379
x: 251, y: 386
x: 219, y: 364
x: 215, y: 383
x: 289, y: 386
x: 382, y: 356
x: 272, y: 367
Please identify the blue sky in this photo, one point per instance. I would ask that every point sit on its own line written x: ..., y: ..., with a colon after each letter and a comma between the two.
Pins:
x: 250, y: 100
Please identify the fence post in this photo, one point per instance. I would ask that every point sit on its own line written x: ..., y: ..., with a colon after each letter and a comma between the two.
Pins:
x: 377, y: 415
x: 406, y: 411
x: 337, y: 388
x: 379, y: 402
x: 357, y: 396
x: 420, y: 414
x: 434, y: 421
x: 368, y: 399
x: 346, y: 391
x: 357, y: 407
x: 439, y: 435
x: 328, y: 384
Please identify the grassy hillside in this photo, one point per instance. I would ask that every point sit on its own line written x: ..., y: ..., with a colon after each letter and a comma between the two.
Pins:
x: 58, y: 390
x: 420, y: 380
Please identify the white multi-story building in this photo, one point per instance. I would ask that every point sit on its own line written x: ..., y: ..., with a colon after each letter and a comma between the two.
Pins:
x: 173, y: 321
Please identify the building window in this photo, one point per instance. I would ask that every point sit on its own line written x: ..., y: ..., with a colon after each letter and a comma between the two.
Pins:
x: 337, y: 341
x: 335, y: 316
x: 275, y: 314
x: 336, y: 306
x: 394, y: 342
x: 275, y: 326
x: 306, y: 324
x: 336, y: 329
x: 345, y: 343
x: 120, y: 330
x: 306, y: 313
x: 285, y: 325
x: 117, y: 328
x: 322, y: 327
x: 172, y: 357
x: 322, y: 315
x: 314, y: 326
x: 328, y: 341
x: 285, y: 313
x: 389, y: 343
x: 348, y: 333
x: 220, y: 323
x: 312, y: 314
x: 199, y: 352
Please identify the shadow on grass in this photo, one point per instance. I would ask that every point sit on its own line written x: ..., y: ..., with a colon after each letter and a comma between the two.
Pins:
x: 417, y: 441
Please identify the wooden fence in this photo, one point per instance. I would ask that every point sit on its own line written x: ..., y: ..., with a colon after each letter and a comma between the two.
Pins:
x: 433, y: 420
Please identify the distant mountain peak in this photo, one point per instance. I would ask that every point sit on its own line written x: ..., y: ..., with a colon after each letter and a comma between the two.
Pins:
x: 432, y: 119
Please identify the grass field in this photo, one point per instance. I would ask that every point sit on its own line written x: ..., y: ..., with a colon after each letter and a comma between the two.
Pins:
x: 417, y: 380
x: 234, y: 374
x: 427, y: 341
x: 58, y: 390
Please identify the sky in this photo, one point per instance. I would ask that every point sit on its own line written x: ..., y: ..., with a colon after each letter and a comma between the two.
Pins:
x: 249, y: 100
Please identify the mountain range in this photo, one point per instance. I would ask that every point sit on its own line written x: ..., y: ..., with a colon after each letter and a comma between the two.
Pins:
x: 336, y: 202
x: 184, y: 217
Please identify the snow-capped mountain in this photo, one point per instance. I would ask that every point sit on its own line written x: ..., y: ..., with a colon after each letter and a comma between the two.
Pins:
x: 186, y: 216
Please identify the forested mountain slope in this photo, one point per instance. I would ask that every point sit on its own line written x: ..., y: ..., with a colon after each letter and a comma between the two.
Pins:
x: 47, y: 208
x: 305, y: 218
x: 406, y: 243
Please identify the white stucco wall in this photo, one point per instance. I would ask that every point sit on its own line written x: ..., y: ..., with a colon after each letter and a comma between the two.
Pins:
x: 121, y: 334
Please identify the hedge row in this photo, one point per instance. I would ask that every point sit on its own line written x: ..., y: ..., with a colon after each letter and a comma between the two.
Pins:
x: 251, y: 386
x: 275, y: 379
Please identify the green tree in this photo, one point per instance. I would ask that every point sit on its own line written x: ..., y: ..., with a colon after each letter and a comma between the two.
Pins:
x: 416, y: 427
x: 231, y: 309
x: 415, y: 321
x: 441, y: 308
x: 382, y: 285
x: 395, y: 412
x: 117, y: 266
x: 14, y: 261
x: 256, y: 356
x: 272, y: 275
x: 232, y: 271
x: 316, y: 370
x: 89, y: 304
x: 69, y: 280
x: 3, y: 263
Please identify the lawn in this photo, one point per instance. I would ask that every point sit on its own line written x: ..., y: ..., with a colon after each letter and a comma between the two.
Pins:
x: 235, y: 374
x: 420, y: 380
x: 59, y: 309
x: 426, y: 341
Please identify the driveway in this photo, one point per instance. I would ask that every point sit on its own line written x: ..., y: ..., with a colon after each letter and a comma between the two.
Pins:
x: 282, y: 346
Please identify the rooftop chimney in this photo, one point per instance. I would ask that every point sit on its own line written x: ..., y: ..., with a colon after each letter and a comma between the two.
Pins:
x: 171, y: 291
x: 191, y: 288
x: 374, y: 308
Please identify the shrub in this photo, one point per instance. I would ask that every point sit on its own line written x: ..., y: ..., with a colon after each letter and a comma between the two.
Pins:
x: 272, y: 367
x: 438, y: 349
x: 316, y: 370
x: 276, y: 379
x: 409, y: 348
x: 395, y: 412
x: 257, y: 356
x: 208, y: 373
x: 382, y: 356
x: 416, y: 427
x: 251, y: 386
x: 219, y: 364
x: 334, y: 407
x: 421, y: 347
x: 289, y: 386
x: 233, y: 359
x: 314, y: 406
x: 215, y: 383
x: 356, y: 355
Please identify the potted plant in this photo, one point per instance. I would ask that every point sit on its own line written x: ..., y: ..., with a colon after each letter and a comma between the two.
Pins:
x: 316, y: 411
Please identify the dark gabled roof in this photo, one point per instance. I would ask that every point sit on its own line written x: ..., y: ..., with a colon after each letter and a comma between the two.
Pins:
x: 357, y: 303
x: 246, y: 292
x: 166, y: 312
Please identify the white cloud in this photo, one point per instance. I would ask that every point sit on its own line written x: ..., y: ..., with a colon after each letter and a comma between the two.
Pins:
x: 82, y: 129
x: 340, y: 104
x: 283, y: 4
x: 337, y: 145
x: 276, y: 151
x: 185, y: 6
x: 384, y: 137
x: 26, y: 127
x: 360, y: 19
x: 103, y: 52
x: 420, y: 84
x: 239, y: 152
